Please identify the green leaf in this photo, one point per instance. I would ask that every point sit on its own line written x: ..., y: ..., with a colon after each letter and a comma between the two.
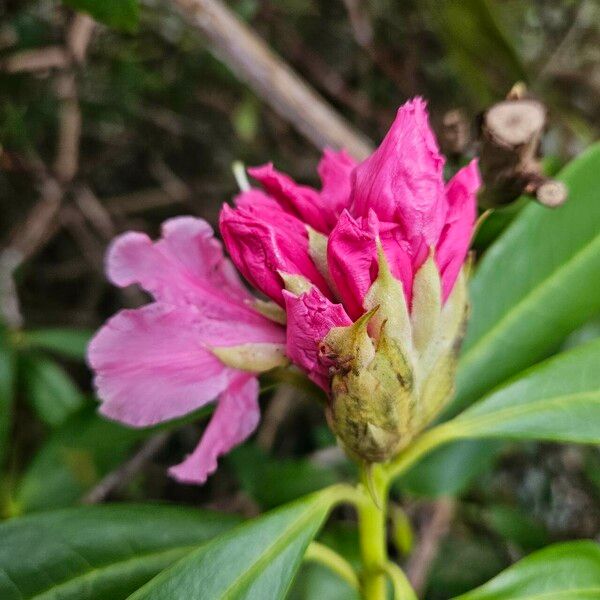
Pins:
x: 569, y: 571
x: 70, y: 343
x: 535, y: 285
x: 7, y: 388
x: 120, y: 14
x: 98, y: 552
x: 49, y: 389
x: 74, y: 458
x: 558, y: 400
x: 515, y: 526
x: 256, y: 560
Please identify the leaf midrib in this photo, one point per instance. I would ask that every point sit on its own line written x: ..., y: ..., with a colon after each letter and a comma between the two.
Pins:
x: 93, y: 572
x: 520, y: 307
x: 464, y: 422
x: 272, y: 549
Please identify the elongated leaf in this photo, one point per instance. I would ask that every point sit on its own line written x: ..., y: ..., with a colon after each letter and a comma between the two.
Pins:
x: 568, y: 571
x: 72, y: 460
x: 71, y: 343
x: 52, y: 393
x: 256, y: 560
x: 120, y: 14
x: 558, y: 400
x: 98, y: 552
x: 535, y: 285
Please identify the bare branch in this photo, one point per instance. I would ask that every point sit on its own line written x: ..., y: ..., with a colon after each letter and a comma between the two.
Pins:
x: 40, y: 59
x: 125, y: 473
x: 271, y: 78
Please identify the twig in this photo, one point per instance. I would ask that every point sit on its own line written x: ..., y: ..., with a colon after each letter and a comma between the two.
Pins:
x: 40, y: 59
x: 118, y: 478
x: 41, y: 222
x: 426, y: 550
x: 271, y: 78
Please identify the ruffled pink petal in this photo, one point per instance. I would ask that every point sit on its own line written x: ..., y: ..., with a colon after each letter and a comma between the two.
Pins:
x: 353, y: 262
x: 310, y: 317
x: 335, y: 170
x: 186, y: 266
x: 260, y: 248
x: 299, y: 200
x: 402, y: 181
x: 455, y: 239
x: 152, y: 364
x: 235, y: 418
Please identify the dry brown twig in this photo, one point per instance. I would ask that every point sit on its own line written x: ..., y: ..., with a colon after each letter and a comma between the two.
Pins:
x: 41, y: 222
x: 437, y: 526
x: 274, y: 81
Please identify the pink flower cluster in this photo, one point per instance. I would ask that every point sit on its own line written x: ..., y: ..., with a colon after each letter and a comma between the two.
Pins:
x: 313, y: 252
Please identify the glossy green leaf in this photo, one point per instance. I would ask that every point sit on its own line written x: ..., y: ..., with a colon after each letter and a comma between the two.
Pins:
x: 72, y: 460
x: 569, y: 571
x: 535, y: 285
x: 49, y: 389
x: 256, y: 560
x: 558, y: 400
x: 98, y: 552
x: 120, y: 14
x: 67, y: 342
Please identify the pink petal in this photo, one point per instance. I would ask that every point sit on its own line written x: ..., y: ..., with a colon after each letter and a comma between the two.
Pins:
x: 152, y: 364
x: 310, y: 318
x: 186, y: 266
x: 402, y: 181
x: 455, y: 239
x: 353, y: 262
x: 335, y: 170
x: 299, y: 200
x: 262, y: 245
x: 234, y: 420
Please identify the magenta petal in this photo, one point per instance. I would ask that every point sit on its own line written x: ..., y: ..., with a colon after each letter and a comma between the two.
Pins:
x: 353, y: 262
x: 455, y: 239
x: 261, y: 247
x: 299, y: 200
x: 310, y: 317
x: 186, y: 266
x: 335, y: 170
x: 235, y: 418
x: 152, y: 365
x: 402, y: 181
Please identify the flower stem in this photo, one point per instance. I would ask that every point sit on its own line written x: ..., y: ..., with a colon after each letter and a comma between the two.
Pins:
x: 372, y: 532
x: 324, y: 555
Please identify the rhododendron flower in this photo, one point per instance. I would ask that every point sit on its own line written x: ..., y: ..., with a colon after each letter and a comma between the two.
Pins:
x: 202, y: 338
x: 370, y: 272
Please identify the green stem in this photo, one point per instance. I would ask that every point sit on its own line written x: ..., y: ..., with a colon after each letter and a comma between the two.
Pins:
x: 372, y: 533
x: 422, y: 445
x: 324, y: 555
x: 402, y: 588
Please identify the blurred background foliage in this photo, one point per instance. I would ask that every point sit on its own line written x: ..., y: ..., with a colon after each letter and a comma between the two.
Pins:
x: 162, y: 120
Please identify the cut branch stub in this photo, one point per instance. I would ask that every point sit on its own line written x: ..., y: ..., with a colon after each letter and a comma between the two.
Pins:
x: 511, y: 132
